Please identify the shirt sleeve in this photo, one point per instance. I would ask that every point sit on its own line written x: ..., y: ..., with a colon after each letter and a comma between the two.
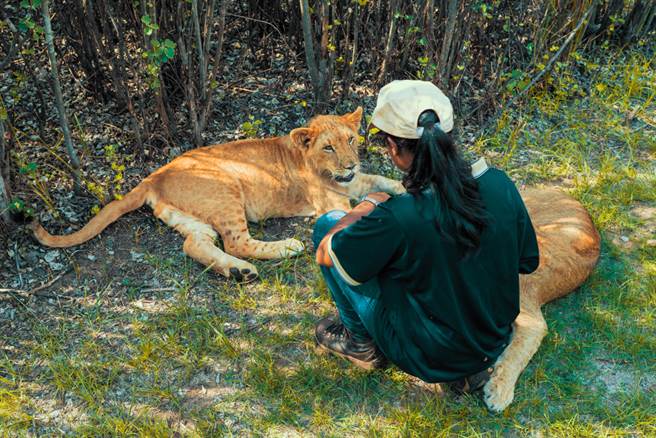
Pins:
x: 529, y: 255
x: 363, y: 249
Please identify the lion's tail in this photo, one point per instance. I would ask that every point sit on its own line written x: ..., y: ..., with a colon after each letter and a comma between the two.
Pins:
x: 106, y: 216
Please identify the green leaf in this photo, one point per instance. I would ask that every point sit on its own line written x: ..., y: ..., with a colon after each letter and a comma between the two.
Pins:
x: 25, y: 4
x: 170, y: 52
x: 146, y: 20
x: 28, y: 168
x: 17, y: 205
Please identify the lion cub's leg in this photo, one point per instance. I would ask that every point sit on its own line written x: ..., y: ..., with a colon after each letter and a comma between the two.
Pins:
x: 528, y: 331
x: 365, y: 183
x: 199, y: 244
x: 238, y: 241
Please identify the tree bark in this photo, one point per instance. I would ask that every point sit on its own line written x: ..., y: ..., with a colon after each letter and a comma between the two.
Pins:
x: 389, y: 45
x: 310, y: 56
x: 447, y: 42
x: 202, y: 72
x: 5, y: 217
x: 639, y: 21
x: 354, y: 50
x: 216, y: 63
x: 61, y: 109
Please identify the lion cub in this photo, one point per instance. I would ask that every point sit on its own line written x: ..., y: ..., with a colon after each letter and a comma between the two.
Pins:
x: 218, y: 188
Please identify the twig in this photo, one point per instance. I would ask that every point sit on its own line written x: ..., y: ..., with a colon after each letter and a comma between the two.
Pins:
x: 20, y: 277
x: 158, y: 289
x: 249, y: 328
x: 292, y: 52
x: 547, y: 68
x: 13, y: 46
x: 36, y: 289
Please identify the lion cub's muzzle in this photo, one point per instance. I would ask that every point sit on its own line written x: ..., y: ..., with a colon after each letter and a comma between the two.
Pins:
x: 347, y: 175
x: 345, y: 178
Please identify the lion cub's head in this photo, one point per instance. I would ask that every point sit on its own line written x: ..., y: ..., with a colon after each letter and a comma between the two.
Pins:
x: 330, y: 144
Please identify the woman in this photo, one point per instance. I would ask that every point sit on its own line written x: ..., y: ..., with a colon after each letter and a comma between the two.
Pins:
x: 430, y: 279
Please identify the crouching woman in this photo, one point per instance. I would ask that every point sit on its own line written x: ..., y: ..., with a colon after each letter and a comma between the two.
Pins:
x: 428, y: 280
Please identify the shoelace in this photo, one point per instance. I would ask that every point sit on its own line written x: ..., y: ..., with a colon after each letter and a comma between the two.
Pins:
x: 338, y: 330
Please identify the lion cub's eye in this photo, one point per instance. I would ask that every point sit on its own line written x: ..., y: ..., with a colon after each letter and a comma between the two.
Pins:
x: 351, y: 140
x: 328, y: 148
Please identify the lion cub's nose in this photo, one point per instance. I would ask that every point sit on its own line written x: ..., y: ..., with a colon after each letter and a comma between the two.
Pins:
x: 351, y: 167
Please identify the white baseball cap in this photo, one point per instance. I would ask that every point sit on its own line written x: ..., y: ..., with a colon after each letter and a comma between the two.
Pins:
x: 401, y: 102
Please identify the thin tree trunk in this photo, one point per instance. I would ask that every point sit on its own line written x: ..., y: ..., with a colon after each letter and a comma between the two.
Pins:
x: 14, y: 45
x: 389, y: 45
x: 199, y: 49
x: 118, y: 29
x: 216, y: 63
x: 5, y: 217
x: 428, y: 25
x: 447, y: 42
x: 326, y: 55
x: 639, y: 20
x: 61, y: 109
x: 310, y: 57
x: 354, y: 50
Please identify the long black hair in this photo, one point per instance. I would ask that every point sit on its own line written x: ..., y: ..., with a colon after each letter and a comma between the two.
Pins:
x: 437, y: 164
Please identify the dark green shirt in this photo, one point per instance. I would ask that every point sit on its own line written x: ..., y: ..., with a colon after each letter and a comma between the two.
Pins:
x: 442, y: 317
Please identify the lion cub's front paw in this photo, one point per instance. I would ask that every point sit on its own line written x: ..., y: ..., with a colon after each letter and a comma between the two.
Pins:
x: 291, y: 247
x: 497, y: 393
x: 397, y: 188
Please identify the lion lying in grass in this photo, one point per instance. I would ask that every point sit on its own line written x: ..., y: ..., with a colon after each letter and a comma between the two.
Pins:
x: 218, y: 188
x: 569, y: 249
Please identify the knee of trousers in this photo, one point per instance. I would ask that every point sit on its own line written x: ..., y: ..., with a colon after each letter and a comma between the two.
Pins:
x: 324, y: 224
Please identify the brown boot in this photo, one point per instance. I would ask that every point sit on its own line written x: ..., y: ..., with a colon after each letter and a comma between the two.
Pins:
x: 332, y: 336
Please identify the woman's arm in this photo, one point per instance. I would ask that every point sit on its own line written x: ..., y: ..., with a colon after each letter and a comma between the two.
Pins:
x: 362, y: 209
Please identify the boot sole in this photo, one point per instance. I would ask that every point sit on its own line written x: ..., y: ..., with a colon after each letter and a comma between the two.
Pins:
x: 368, y: 366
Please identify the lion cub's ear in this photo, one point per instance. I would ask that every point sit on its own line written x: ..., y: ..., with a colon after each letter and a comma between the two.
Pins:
x: 354, y: 118
x: 302, y: 137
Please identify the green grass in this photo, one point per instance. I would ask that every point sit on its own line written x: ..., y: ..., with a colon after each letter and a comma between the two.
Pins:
x: 212, y: 358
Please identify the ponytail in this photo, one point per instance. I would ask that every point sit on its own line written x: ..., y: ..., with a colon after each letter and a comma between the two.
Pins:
x: 438, y: 165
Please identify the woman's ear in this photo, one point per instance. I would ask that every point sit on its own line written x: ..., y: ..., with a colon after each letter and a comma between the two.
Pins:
x: 354, y: 119
x: 302, y: 137
x: 392, y: 146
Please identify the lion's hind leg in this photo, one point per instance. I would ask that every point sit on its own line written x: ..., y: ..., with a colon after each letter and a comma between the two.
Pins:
x: 199, y: 244
x: 528, y: 331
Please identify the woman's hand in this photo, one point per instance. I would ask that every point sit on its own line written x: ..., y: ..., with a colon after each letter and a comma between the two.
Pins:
x: 362, y: 209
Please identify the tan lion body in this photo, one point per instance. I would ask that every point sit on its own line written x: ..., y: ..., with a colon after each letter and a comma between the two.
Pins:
x: 217, y: 189
x: 569, y: 248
